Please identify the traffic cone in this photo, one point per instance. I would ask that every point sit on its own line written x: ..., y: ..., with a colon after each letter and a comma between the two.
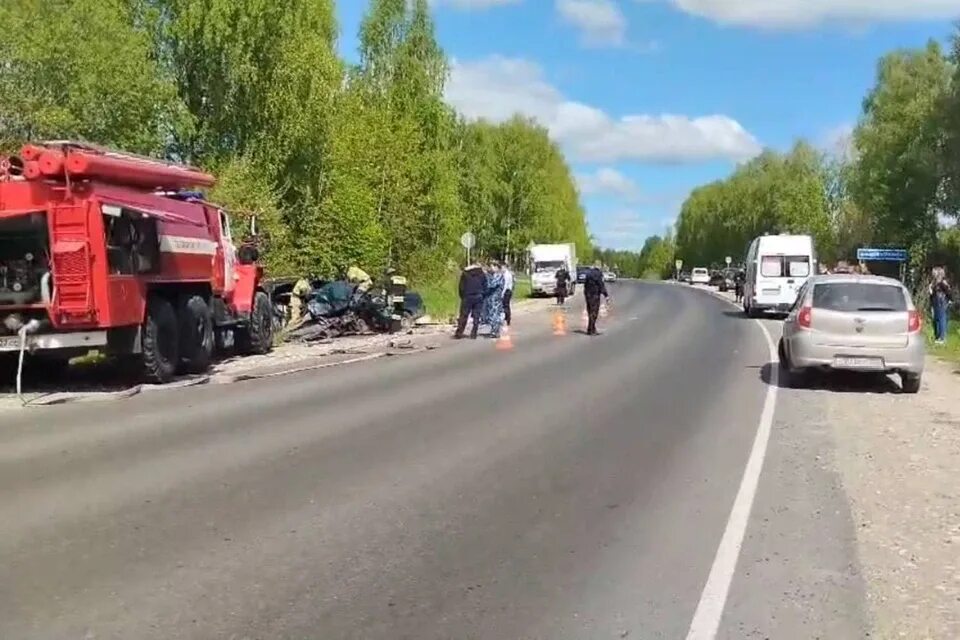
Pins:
x: 559, y: 324
x: 504, y: 342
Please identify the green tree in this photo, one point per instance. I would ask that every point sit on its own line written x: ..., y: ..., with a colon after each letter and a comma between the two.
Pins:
x: 898, y: 140
x: 341, y: 165
x: 517, y: 188
x: 80, y: 69
x: 252, y: 73
x: 657, y: 257
x: 411, y: 179
x: 773, y: 193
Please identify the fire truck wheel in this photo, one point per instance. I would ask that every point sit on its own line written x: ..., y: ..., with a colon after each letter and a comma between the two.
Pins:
x: 161, y: 341
x: 257, y: 336
x: 196, y: 335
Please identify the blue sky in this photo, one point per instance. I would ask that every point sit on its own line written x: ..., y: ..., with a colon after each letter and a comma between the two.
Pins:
x: 650, y: 98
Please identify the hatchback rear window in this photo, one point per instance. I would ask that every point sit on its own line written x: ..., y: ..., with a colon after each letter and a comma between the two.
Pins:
x: 858, y: 296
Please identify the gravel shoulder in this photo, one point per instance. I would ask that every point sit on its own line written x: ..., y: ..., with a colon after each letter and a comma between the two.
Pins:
x: 884, y: 466
x: 898, y: 458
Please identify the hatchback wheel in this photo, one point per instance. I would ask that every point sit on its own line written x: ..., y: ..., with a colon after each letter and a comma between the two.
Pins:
x: 910, y: 382
x: 791, y: 377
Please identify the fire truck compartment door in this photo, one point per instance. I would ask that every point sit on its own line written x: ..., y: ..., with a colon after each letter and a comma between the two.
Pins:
x: 71, y: 278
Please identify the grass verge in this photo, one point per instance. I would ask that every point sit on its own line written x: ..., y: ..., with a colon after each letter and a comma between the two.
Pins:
x: 950, y: 350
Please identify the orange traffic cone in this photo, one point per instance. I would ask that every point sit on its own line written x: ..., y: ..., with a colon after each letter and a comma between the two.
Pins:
x: 559, y: 324
x: 504, y: 342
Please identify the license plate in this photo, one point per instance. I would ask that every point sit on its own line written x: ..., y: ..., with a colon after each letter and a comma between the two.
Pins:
x: 842, y: 362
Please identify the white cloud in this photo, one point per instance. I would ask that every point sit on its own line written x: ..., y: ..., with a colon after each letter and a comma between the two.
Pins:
x: 473, y: 4
x: 838, y: 141
x: 496, y: 88
x: 623, y: 229
x: 608, y: 181
x: 787, y: 14
x: 600, y: 22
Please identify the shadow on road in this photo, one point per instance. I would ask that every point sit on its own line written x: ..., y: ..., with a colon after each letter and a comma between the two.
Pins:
x: 737, y: 313
x: 834, y: 381
x: 583, y: 332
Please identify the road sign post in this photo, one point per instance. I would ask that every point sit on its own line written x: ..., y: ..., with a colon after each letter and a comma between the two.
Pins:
x: 679, y: 265
x: 870, y: 254
x: 468, y: 241
x: 728, y: 260
x: 874, y: 254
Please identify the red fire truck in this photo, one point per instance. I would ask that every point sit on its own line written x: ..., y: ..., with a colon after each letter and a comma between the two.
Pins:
x: 105, y: 250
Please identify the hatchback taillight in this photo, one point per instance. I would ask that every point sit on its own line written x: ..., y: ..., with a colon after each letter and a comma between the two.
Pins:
x: 914, y: 323
x: 805, y: 317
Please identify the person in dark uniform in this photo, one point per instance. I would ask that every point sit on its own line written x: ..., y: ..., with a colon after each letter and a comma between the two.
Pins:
x: 473, y: 286
x: 563, y: 284
x: 739, y: 279
x: 593, y: 288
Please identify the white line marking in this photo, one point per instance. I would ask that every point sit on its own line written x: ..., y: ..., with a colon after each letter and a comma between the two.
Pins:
x: 706, y: 619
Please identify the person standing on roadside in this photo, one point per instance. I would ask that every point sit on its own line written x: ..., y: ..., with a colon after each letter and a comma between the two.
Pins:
x: 563, y: 282
x: 593, y: 288
x: 493, y: 307
x: 507, y: 292
x: 939, y: 301
x: 473, y: 285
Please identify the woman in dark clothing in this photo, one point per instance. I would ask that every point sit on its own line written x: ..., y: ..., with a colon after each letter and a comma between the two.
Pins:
x: 939, y: 301
x: 563, y: 280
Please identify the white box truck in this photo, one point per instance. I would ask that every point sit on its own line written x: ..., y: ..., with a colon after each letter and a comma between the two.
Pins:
x: 545, y: 261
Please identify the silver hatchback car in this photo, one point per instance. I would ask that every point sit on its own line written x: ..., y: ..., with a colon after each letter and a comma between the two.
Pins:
x: 854, y: 323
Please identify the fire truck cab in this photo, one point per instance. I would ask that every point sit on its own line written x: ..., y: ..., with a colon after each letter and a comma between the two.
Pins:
x: 104, y: 250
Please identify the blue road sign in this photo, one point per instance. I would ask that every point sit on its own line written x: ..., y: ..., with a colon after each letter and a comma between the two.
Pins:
x: 868, y: 254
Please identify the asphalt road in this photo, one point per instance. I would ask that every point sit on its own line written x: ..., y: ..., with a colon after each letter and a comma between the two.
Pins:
x: 574, y: 487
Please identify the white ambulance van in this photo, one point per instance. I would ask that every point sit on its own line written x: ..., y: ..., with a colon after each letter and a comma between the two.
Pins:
x: 777, y: 266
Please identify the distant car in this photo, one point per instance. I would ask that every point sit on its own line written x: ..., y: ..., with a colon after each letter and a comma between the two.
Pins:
x: 716, y: 279
x: 728, y: 281
x: 685, y: 277
x: 700, y: 276
x: 853, y: 323
x: 609, y: 276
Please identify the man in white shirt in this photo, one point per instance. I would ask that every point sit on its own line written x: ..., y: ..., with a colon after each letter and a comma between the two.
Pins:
x: 507, y: 292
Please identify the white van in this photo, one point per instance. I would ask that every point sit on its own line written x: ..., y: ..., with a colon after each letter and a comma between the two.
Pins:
x: 777, y: 266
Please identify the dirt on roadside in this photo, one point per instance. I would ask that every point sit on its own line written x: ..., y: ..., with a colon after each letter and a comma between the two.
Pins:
x: 899, y: 458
